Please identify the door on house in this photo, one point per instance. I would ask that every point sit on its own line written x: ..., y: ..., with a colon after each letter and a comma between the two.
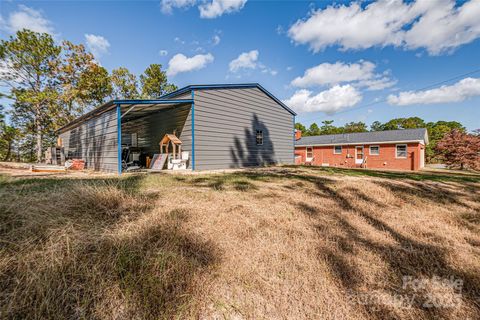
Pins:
x: 359, y: 155
x: 309, y: 154
x: 422, y: 158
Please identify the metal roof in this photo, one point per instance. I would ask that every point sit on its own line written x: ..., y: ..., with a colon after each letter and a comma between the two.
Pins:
x: 406, y: 135
x: 227, y: 86
x: 166, y: 100
x: 144, y: 107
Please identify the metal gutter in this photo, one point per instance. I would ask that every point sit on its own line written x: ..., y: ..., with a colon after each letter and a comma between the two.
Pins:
x: 358, y: 143
x: 159, y: 101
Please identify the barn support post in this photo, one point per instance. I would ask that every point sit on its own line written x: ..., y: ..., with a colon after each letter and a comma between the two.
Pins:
x: 119, y: 138
x: 193, y: 130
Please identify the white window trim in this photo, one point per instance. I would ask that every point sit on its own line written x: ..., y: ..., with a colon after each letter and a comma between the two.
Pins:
x: 396, y: 151
x: 341, y: 149
x: 306, y: 153
x: 370, y: 150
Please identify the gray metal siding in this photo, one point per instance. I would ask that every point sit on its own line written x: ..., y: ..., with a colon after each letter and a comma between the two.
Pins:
x: 151, y: 129
x: 226, y: 121
x: 94, y: 141
x: 186, y: 95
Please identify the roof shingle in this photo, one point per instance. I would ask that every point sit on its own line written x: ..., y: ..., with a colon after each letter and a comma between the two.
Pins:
x: 366, y: 137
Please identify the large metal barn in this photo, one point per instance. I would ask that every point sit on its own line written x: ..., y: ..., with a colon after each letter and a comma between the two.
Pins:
x: 218, y: 126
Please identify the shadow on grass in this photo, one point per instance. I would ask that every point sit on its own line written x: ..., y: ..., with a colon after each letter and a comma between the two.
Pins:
x: 72, y: 256
x: 220, y: 182
x: 418, y: 176
x: 406, y: 257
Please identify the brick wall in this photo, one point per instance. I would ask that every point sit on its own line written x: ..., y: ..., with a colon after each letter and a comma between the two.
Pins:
x: 386, y: 159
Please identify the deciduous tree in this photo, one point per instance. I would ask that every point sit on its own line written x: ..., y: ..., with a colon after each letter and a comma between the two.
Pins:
x: 460, y: 150
x: 355, y: 127
x: 436, y: 132
x: 376, y: 126
x: 302, y: 128
x: 404, y: 123
x: 313, y: 130
x: 124, y: 84
x: 83, y: 83
x: 328, y: 128
x: 75, y: 63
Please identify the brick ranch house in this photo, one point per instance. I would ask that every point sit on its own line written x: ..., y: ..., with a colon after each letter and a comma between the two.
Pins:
x: 394, y: 149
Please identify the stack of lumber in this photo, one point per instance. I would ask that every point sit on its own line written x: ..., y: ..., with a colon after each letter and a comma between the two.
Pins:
x: 47, y: 168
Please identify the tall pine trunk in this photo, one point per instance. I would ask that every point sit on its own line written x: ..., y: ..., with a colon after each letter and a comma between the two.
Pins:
x: 38, y: 127
x: 9, y: 151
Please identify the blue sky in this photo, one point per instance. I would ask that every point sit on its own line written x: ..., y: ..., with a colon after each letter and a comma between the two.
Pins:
x: 327, y: 61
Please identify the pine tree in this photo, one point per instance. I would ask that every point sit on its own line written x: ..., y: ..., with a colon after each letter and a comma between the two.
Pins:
x: 31, y: 60
x: 154, y: 82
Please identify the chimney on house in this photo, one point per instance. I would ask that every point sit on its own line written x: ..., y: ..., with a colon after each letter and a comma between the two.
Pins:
x: 298, y: 134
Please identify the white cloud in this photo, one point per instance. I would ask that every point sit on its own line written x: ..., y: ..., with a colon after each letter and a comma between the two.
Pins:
x: 98, y: 45
x: 329, y: 101
x: 26, y: 18
x: 280, y: 30
x: 178, y: 40
x: 466, y: 88
x: 216, y: 40
x: 167, y: 6
x: 328, y: 73
x: 437, y: 26
x: 208, y: 10
x: 361, y: 74
x: 266, y: 69
x: 246, y: 60
x: 444, y: 27
x: 163, y: 53
x: 181, y: 63
x: 216, y: 8
x: 377, y: 83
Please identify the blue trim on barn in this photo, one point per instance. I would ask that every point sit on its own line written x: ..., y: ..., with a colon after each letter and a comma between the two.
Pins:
x: 159, y: 101
x: 119, y: 138
x: 228, y: 86
x: 193, y: 130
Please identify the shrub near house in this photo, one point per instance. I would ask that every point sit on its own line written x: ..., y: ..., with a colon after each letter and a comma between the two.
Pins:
x: 394, y: 149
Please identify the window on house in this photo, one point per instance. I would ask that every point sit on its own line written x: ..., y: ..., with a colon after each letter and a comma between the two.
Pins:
x: 259, y: 137
x: 337, y: 150
x: 401, y: 150
x: 309, y: 152
x: 374, y: 150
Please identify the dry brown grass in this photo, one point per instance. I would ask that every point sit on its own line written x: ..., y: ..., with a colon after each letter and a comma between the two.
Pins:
x: 270, y: 243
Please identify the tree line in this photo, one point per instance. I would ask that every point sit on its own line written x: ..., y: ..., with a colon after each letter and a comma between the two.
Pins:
x: 50, y: 84
x: 449, y: 142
